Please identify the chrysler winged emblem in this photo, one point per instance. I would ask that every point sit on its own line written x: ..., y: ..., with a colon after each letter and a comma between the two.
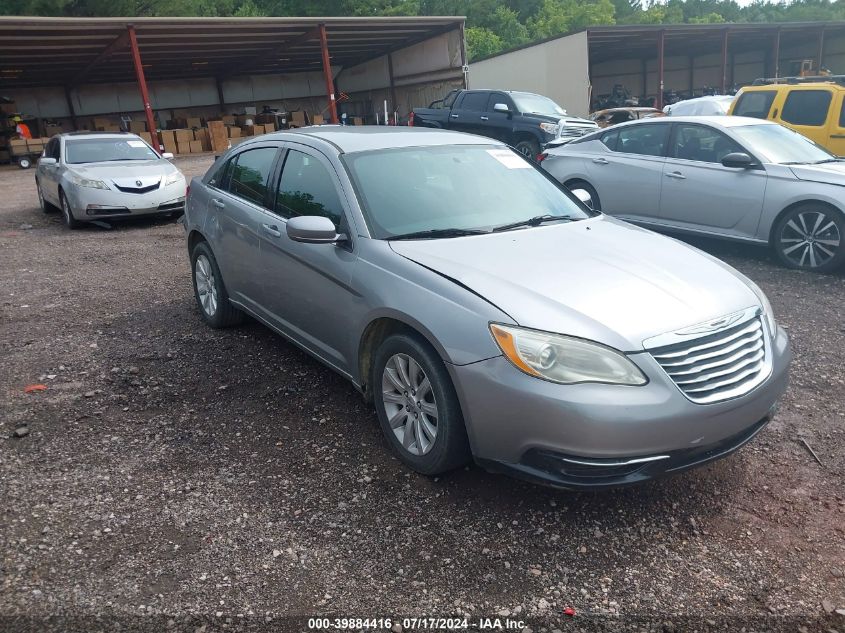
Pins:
x: 711, y: 326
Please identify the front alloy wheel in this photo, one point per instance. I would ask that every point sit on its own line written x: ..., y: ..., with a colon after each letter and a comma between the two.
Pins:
x: 811, y: 238
x: 410, y: 404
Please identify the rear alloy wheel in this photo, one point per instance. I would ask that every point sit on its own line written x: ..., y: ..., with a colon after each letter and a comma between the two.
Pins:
x: 209, y: 291
x: 811, y: 237
x: 417, y: 405
x: 67, y: 214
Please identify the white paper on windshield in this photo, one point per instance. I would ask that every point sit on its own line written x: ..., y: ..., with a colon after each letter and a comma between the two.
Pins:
x: 136, y: 143
x: 509, y: 159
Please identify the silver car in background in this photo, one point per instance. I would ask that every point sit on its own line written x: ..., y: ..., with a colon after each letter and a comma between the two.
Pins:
x: 729, y: 177
x: 102, y: 176
x: 482, y: 308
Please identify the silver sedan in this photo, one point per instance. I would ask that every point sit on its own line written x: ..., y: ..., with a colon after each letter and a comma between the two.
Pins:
x: 729, y: 177
x: 483, y: 310
x: 95, y: 176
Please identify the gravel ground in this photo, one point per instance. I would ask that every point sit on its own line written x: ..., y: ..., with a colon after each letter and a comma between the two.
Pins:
x: 172, y: 477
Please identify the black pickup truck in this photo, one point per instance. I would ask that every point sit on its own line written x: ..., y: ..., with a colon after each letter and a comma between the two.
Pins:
x: 525, y: 121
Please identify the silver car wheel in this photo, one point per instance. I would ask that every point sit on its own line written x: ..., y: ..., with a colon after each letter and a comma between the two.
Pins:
x: 206, y: 285
x: 66, y: 210
x: 409, y: 403
x: 40, y: 195
x: 810, y: 239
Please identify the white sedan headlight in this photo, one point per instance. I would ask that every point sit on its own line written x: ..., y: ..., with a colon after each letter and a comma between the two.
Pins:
x: 173, y: 177
x: 768, y: 313
x: 564, y: 359
x: 79, y: 181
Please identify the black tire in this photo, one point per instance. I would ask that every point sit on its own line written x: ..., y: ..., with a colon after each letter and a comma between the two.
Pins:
x: 450, y: 446
x: 67, y: 216
x: 24, y: 162
x: 223, y: 314
x: 580, y: 184
x: 529, y: 148
x: 810, y: 237
x: 46, y: 207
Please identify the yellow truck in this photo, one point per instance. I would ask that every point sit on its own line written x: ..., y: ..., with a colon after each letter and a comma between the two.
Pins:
x: 813, y: 106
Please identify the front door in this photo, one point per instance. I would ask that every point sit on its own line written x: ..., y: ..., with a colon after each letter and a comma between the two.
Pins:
x: 837, y: 127
x: 699, y: 192
x: 307, y: 286
x: 498, y: 125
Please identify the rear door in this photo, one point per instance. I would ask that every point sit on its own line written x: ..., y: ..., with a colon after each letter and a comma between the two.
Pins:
x: 307, y: 286
x: 628, y: 177
x: 238, y: 200
x: 699, y: 192
x: 807, y: 111
x: 466, y: 117
x: 837, y: 127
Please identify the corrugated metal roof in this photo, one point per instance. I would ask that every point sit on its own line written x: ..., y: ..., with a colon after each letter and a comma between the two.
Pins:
x: 38, y: 51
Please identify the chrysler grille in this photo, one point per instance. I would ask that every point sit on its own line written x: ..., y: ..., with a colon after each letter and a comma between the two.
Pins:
x: 718, y: 366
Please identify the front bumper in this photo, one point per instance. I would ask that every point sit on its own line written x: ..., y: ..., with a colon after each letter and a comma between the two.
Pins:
x: 96, y: 204
x: 594, y: 435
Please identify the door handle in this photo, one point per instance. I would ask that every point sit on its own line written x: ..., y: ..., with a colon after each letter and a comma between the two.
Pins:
x: 676, y: 174
x: 454, y: 116
x: 218, y: 203
x: 601, y: 161
x: 484, y: 118
x: 272, y: 230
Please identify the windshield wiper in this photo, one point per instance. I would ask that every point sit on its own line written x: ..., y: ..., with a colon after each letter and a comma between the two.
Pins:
x: 535, y: 221
x: 436, y: 233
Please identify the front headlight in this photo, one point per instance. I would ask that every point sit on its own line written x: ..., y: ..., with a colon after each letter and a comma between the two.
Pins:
x: 176, y: 176
x: 79, y: 181
x: 768, y: 313
x: 550, y: 128
x: 564, y: 359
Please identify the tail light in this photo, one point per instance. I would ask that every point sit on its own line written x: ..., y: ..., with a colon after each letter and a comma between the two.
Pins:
x: 411, y: 119
x: 541, y: 157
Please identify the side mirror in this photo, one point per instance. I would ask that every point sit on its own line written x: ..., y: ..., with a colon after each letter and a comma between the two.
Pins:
x: 313, y: 229
x: 584, y: 196
x: 47, y: 161
x: 738, y: 160
x: 167, y: 156
x: 501, y: 107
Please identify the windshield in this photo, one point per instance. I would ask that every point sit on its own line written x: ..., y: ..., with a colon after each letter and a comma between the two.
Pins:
x: 536, y: 104
x: 778, y: 144
x: 97, y: 150
x: 464, y: 187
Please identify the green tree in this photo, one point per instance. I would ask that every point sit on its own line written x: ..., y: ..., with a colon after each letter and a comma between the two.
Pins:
x: 482, y: 42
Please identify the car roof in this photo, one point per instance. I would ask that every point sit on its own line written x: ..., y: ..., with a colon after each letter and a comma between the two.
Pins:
x: 361, y: 138
x: 798, y: 85
x: 90, y: 135
x: 723, y: 121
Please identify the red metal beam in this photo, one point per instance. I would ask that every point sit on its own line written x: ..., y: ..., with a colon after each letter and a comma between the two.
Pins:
x: 142, y: 86
x: 661, y: 47
x: 327, y: 72
x: 725, y: 61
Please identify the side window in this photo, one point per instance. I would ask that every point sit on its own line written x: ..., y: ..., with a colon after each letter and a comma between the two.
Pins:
x: 646, y: 140
x: 306, y: 187
x: 842, y: 114
x: 57, y: 150
x: 474, y: 101
x: 807, y: 107
x: 755, y: 104
x: 610, y: 139
x: 498, y: 97
x: 704, y: 144
x: 249, y: 174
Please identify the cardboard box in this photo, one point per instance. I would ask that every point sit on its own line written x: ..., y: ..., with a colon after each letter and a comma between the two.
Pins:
x: 136, y: 127
x: 168, y: 138
x: 52, y: 130
x: 234, y: 131
x: 194, y: 122
x: 183, y: 148
x: 269, y: 127
x: 177, y: 124
x: 102, y: 122
x: 356, y: 120
x: 317, y: 119
x: 298, y: 118
x: 35, y: 145
x: 148, y: 138
x: 204, y: 137
x: 196, y: 147
x: 219, y: 136
x: 17, y: 143
x: 252, y: 130
x: 183, y: 137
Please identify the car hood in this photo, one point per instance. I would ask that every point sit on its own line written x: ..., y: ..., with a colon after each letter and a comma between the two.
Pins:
x: 831, y: 173
x: 127, y: 172
x: 600, y: 279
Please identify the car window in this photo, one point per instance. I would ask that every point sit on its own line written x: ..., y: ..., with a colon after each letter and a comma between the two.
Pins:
x: 807, y: 107
x: 755, y: 104
x: 697, y: 142
x: 250, y: 173
x: 842, y: 115
x: 646, y: 140
x: 475, y: 101
x: 307, y: 187
x: 610, y: 139
x: 498, y: 97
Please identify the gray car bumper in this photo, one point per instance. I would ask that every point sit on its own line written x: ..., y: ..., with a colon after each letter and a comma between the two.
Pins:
x: 94, y: 204
x: 593, y: 435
